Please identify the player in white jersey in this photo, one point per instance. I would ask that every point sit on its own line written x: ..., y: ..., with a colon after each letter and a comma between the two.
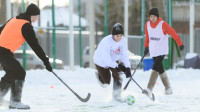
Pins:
x: 156, y: 43
x: 111, y: 50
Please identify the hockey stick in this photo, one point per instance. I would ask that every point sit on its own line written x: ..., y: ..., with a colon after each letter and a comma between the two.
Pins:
x: 133, y: 73
x: 81, y: 99
x: 143, y: 91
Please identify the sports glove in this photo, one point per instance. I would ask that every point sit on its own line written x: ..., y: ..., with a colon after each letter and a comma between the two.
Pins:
x: 181, y: 47
x: 122, y: 67
x: 48, y: 65
x: 128, y: 72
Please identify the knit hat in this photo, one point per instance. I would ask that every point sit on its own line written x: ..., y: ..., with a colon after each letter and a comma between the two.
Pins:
x: 117, y: 29
x: 154, y: 11
x: 32, y: 10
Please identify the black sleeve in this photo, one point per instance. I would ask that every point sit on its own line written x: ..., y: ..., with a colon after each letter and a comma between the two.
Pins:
x: 29, y: 35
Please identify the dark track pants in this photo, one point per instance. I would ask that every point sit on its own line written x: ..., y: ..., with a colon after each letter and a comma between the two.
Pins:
x: 12, y: 67
x: 105, y: 76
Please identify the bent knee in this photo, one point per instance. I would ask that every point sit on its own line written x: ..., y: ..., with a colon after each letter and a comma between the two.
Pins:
x: 21, y: 75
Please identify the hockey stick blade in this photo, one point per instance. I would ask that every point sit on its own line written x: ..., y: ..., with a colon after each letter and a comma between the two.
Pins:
x: 152, y: 97
x: 81, y: 99
x: 144, y: 91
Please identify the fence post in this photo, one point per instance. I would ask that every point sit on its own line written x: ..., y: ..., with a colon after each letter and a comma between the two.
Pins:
x: 80, y: 29
x: 53, y: 35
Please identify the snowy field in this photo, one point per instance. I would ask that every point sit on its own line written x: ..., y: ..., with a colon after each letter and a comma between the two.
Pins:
x: 45, y: 93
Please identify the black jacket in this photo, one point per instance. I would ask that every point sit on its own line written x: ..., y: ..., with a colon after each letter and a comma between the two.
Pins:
x: 29, y: 35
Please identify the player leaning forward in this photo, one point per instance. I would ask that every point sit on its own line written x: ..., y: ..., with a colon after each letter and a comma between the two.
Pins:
x: 156, y: 43
x: 111, y: 50
x: 12, y: 35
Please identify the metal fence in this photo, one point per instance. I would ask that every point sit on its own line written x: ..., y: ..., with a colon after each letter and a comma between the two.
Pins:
x: 134, y: 44
x: 62, y: 44
x: 186, y: 42
x: 197, y: 41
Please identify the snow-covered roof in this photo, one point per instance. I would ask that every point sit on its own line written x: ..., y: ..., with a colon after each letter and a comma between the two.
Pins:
x: 61, y: 17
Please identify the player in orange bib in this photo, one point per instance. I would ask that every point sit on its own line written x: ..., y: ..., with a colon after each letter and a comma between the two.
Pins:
x: 12, y: 35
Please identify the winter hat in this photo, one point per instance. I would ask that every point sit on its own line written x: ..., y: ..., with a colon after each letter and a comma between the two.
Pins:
x: 32, y: 10
x: 154, y: 11
x: 117, y: 29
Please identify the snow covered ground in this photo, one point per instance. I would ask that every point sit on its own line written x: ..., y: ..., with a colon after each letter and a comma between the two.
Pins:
x: 45, y: 93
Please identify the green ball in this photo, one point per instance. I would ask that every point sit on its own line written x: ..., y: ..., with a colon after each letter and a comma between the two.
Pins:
x: 130, y: 99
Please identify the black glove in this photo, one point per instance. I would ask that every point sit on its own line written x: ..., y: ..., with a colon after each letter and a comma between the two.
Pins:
x: 48, y: 65
x: 146, y: 50
x: 181, y: 47
x: 128, y: 72
x: 122, y: 67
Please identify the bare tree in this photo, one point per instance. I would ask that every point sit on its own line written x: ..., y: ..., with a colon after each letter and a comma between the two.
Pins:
x: 115, y: 14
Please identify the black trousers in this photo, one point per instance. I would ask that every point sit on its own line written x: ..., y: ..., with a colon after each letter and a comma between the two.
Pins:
x: 12, y: 67
x: 158, y: 66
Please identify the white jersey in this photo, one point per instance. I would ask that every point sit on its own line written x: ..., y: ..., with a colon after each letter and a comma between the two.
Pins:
x: 109, y: 51
x: 158, y: 42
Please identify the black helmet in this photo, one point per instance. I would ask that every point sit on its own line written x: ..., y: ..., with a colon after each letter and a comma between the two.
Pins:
x: 117, y: 29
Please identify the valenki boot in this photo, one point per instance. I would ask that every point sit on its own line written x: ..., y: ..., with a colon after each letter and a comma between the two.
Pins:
x: 16, y: 94
x: 117, y: 85
x: 152, y: 81
x: 165, y: 81
x: 4, y: 88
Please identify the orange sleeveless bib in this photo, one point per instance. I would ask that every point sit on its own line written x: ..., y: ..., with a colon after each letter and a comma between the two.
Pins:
x: 11, y: 36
